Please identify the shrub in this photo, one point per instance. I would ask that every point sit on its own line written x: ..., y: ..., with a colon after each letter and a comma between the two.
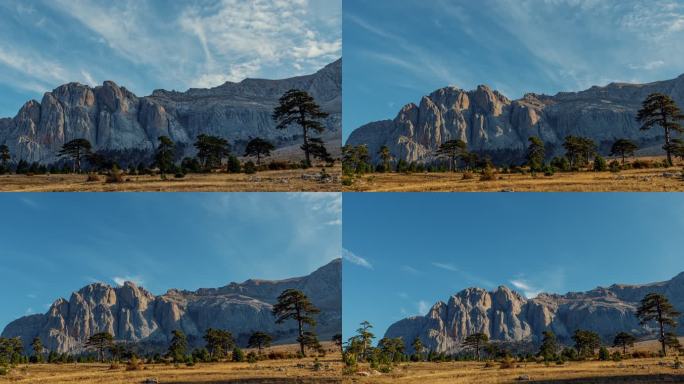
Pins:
x: 641, y: 164
x: 600, y: 164
x: 488, y: 174
x: 233, y: 164
x: 604, y: 354
x: 548, y: 170
x: 252, y: 357
x: 250, y: 168
x: 467, y: 176
x: 386, y: 368
x: 115, y: 175
x: 134, y: 364
x: 616, y: 356
x: 507, y: 363
x: 179, y: 175
x: 278, y: 165
x: 614, y: 166
x: 238, y: 354
x: 347, y: 180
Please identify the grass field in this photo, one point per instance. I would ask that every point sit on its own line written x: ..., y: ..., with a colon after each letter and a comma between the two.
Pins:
x: 628, y: 371
x: 286, y: 371
x: 641, y: 180
x: 266, y: 181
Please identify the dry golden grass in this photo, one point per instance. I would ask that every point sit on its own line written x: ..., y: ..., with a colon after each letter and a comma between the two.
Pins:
x: 298, y: 371
x: 266, y: 181
x: 627, y: 371
x: 637, y: 180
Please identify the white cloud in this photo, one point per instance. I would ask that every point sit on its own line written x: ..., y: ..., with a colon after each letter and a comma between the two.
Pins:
x: 29, y: 202
x: 120, y: 280
x: 355, y: 259
x: 423, y: 307
x: 29, y: 311
x: 410, y: 269
x: 446, y: 266
x: 648, y: 65
x: 528, y: 290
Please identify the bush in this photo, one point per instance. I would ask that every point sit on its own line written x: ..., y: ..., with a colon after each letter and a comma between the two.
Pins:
x: 549, y: 170
x: 467, y: 176
x: 614, y: 166
x: 347, y: 181
x: 507, y: 363
x: 115, y: 175
x: 278, y: 165
x: 252, y: 357
x: 488, y: 174
x: 616, y: 356
x: 92, y: 177
x: 238, y: 354
x: 600, y: 164
x: 179, y: 175
x: 604, y: 355
x: 134, y: 364
x: 233, y: 164
x: 561, y: 163
x: 250, y: 168
x: 641, y: 164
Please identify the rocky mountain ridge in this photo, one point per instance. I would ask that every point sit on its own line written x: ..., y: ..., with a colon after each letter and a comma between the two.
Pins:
x: 507, y: 316
x: 114, y: 119
x: 130, y: 313
x: 489, y: 122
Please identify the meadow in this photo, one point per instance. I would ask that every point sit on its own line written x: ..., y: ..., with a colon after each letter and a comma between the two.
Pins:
x: 292, y: 180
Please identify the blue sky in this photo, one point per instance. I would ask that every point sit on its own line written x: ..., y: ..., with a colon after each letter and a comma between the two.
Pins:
x: 397, y: 51
x: 405, y: 251
x: 150, y: 44
x: 53, y: 244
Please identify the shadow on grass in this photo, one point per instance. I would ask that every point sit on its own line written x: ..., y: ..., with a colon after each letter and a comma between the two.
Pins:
x: 660, y: 378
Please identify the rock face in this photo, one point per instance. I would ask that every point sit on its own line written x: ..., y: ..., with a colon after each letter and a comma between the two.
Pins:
x: 130, y: 313
x: 113, y: 118
x: 490, y: 122
x: 506, y: 316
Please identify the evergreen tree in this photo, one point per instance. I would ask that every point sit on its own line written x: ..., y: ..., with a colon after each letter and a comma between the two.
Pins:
x: 418, y: 348
x: 386, y: 157
x: 259, y: 340
x: 218, y: 342
x: 37, y: 347
x: 624, y: 340
x: 586, y: 342
x: 659, y: 109
x: 258, y: 147
x: 656, y: 307
x: 298, y: 107
x: 393, y: 348
x: 165, y: 154
x: 535, y: 153
x: 476, y: 341
x: 76, y: 149
x: 549, y: 345
x: 623, y: 148
x: 4, y: 158
x: 211, y: 150
x: 453, y: 150
x: 337, y: 340
x: 101, y: 342
x: 294, y: 304
x: 178, y: 346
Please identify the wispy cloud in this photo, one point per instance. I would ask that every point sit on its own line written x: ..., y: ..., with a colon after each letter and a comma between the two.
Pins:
x: 485, y: 283
x: 355, y: 259
x: 423, y: 307
x: 528, y: 290
x: 120, y: 280
x: 29, y: 202
x: 410, y: 269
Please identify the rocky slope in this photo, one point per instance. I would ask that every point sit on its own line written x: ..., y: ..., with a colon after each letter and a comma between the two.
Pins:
x: 113, y: 118
x: 488, y: 121
x: 505, y: 315
x: 131, y: 313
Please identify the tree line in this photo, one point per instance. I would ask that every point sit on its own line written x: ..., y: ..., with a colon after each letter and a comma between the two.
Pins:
x: 654, y: 309
x: 219, y: 344
x: 658, y: 110
x: 295, y: 108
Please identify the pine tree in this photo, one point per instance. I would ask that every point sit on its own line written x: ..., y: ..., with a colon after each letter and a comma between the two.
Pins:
x: 101, y: 342
x: 623, y: 148
x: 659, y: 109
x: 294, y: 304
x: 452, y: 149
x: 258, y: 147
x: 656, y: 307
x: 298, y: 107
x: 259, y: 340
x: 163, y: 157
x: 476, y: 341
x: 178, y: 346
x: 624, y: 340
x: 76, y: 149
x: 535, y: 153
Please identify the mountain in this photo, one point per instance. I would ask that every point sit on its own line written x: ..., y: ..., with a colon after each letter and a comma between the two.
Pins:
x: 114, y: 119
x: 506, y: 316
x: 489, y: 122
x: 131, y: 313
